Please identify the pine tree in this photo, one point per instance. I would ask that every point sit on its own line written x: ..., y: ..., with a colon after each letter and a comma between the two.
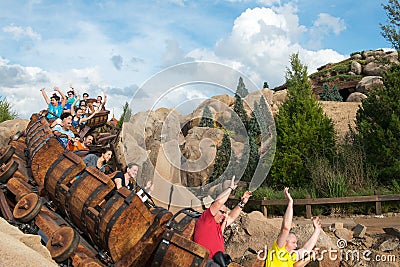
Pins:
x: 253, y: 127
x: 241, y: 89
x: 125, y: 116
x: 330, y: 93
x: 207, y: 118
x: 6, y: 112
x: 222, y: 158
x: 265, y: 115
x: 239, y: 126
x: 251, y: 150
x: 378, y: 127
x: 302, y: 130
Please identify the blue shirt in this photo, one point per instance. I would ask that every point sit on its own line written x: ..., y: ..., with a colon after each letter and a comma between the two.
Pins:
x: 63, y: 140
x: 54, y: 112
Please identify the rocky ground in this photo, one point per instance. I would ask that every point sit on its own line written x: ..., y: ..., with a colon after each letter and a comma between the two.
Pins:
x: 345, y: 236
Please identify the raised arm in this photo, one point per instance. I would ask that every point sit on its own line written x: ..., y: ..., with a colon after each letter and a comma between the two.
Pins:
x: 222, y: 198
x: 287, y: 220
x: 236, y: 211
x: 46, y: 98
x: 103, y: 105
x: 73, y: 105
x: 63, y: 97
x: 309, y: 245
x: 82, y: 120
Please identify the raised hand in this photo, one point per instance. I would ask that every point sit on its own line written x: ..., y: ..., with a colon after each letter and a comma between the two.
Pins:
x: 233, y: 185
x: 317, y: 223
x: 287, y: 194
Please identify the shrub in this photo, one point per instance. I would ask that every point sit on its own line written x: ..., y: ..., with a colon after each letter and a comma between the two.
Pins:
x: 6, y: 112
x: 302, y: 131
x: 330, y: 93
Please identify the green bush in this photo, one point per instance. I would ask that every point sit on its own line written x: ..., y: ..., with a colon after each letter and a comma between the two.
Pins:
x: 378, y: 127
x: 6, y: 112
x: 302, y: 130
x: 330, y: 93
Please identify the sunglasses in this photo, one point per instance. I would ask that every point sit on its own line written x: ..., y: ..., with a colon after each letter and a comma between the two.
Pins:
x: 222, y: 211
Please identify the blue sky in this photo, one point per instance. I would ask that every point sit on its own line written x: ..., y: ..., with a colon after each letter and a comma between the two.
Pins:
x: 116, y: 46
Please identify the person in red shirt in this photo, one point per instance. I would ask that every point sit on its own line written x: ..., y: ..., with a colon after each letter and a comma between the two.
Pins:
x: 211, y: 224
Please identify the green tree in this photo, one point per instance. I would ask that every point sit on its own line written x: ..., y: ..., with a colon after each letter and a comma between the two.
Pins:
x: 391, y: 31
x: 302, y: 130
x: 330, y: 93
x: 207, y: 118
x: 253, y: 127
x: 238, y: 108
x: 241, y: 89
x: 378, y: 127
x: 125, y: 116
x: 223, y: 156
x: 6, y: 112
x: 250, y: 149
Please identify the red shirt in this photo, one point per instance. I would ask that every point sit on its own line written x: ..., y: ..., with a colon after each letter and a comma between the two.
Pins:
x: 208, y: 233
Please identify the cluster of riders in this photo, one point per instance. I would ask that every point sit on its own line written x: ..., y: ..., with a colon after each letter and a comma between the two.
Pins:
x: 68, y: 116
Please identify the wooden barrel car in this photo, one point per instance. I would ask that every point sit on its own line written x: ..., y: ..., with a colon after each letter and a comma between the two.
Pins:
x: 123, y: 229
x: 116, y: 221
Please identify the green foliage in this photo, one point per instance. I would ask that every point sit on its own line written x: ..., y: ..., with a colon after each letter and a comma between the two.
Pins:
x: 238, y: 108
x: 125, y: 116
x: 330, y: 93
x: 339, y: 68
x: 236, y: 125
x: 6, y: 112
x: 341, y: 77
x: 302, y: 130
x: 222, y: 158
x: 378, y: 126
x: 253, y: 127
x: 391, y: 31
x: 207, y: 118
x: 241, y: 89
x: 265, y: 85
x: 251, y: 151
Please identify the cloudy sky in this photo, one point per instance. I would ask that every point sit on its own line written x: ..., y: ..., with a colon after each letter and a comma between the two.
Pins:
x: 117, y: 46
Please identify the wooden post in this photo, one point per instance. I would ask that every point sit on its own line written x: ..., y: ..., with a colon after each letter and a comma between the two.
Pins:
x: 308, y: 208
x: 264, y: 208
x: 378, y: 204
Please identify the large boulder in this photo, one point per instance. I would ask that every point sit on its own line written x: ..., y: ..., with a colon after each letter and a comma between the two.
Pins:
x: 199, y: 152
x: 9, y: 128
x: 19, y: 250
x: 356, y: 97
x: 356, y: 67
x: 369, y: 83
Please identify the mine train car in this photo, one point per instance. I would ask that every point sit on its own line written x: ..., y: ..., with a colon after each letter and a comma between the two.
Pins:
x: 82, y: 218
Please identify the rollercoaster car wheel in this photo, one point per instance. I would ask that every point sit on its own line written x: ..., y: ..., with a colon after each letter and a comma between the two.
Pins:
x: 6, y: 154
x: 7, y: 170
x: 63, y: 243
x: 27, y: 207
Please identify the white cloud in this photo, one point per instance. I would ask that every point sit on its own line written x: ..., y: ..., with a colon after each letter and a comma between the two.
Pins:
x: 326, y: 22
x: 19, y: 32
x: 261, y: 41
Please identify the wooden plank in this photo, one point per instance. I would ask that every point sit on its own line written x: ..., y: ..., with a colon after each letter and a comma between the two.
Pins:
x: 319, y: 201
